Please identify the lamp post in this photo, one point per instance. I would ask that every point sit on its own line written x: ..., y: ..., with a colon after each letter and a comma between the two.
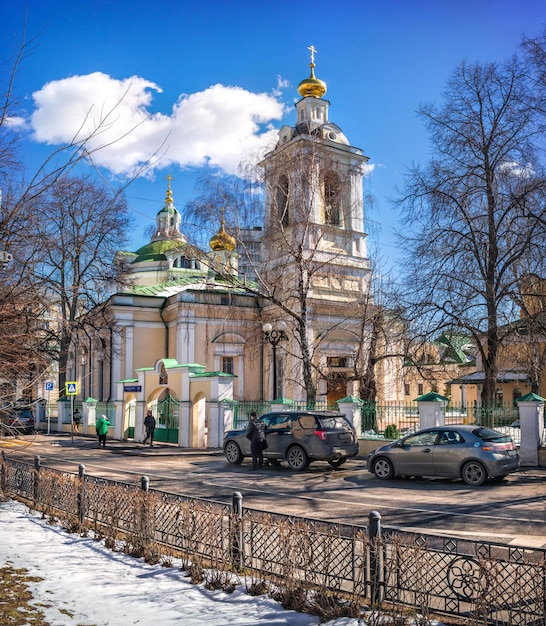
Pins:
x: 274, y: 336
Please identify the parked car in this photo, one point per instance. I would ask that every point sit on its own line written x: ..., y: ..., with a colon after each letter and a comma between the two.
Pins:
x: 19, y: 419
x: 473, y: 453
x: 299, y: 437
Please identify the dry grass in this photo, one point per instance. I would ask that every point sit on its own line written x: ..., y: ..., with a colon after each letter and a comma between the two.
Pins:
x: 16, y: 606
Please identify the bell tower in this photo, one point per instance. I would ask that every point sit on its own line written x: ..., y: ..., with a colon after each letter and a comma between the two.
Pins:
x: 314, y: 221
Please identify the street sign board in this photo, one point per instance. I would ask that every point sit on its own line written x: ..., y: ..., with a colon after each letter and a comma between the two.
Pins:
x: 133, y: 388
x: 49, y: 386
x: 72, y: 389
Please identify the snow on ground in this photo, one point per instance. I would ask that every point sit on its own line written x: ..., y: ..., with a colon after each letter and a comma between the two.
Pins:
x: 84, y: 583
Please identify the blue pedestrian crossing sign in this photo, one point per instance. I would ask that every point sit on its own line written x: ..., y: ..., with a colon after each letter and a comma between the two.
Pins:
x: 71, y: 389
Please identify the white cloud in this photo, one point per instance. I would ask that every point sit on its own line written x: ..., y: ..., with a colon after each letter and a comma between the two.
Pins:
x: 15, y: 122
x: 221, y: 125
x: 517, y: 169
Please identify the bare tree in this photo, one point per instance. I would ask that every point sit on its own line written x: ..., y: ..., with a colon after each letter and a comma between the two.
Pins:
x: 477, y: 209
x: 83, y: 224
x: 526, y: 348
x: 41, y: 273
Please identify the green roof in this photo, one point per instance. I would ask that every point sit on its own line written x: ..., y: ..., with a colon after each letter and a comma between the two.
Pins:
x: 431, y: 397
x: 454, y: 345
x: 157, y: 250
x: 160, y: 289
x: 350, y: 400
x: 531, y: 397
x: 169, y: 363
x: 211, y: 375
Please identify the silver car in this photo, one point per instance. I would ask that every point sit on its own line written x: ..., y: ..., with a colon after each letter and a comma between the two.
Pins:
x: 473, y: 453
x: 299, y: 437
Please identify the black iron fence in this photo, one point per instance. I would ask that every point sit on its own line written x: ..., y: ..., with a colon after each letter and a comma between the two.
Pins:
x: 490, y: 583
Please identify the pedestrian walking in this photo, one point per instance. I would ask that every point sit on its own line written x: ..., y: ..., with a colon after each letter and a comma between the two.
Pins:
x: 149, y: 425
x: 102, y: 429
x: 258, y: 443
x: 76, y: 420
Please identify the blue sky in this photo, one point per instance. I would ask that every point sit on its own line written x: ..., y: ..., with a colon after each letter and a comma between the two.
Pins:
x: 218, y: 78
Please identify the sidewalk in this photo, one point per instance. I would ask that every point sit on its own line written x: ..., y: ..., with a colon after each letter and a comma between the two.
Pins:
x: 88, y: 442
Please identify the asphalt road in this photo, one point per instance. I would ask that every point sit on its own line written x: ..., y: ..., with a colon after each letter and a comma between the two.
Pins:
x: 510, y: 511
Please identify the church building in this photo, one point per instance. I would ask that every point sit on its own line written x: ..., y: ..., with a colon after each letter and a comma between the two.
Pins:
x: 279, y: 313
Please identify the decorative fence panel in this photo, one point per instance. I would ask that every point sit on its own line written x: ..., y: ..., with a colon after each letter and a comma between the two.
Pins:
x: 242, y: 411
x: 108, y: 409
x: 494, y: 584
x: 505, y: 584
x: 392, y: 420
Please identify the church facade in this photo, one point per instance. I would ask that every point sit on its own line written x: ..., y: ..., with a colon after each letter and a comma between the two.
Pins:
x: 191, y: 332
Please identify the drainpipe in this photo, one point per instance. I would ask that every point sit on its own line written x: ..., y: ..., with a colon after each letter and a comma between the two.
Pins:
x: 111, y: 365
x: 261, y: 353
x: 166, y: 327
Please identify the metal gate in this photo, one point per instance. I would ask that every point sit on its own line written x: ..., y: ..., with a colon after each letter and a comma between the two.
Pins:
x: 167, y: 415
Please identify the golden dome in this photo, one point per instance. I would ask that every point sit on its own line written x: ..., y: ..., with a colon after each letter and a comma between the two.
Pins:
x: 312, y: 86
x: 222, y: 240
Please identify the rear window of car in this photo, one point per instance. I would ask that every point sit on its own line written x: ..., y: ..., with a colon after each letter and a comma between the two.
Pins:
x: 307, y: 422
x: 334, y: 422
x: 488, y: 434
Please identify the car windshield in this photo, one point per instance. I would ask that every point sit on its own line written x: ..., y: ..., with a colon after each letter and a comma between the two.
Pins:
x: 488, y: 434
x: 334, y: 422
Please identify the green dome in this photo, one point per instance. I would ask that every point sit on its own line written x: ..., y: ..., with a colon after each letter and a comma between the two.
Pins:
x: 158, y: 250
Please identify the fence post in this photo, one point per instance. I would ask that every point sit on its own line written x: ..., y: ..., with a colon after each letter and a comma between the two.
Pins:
x: 237, y: 530
x: 145, y: 483
x: 36, y: 475
x: 376, y: 570
x: 4, y: 473
x: 81, y: 494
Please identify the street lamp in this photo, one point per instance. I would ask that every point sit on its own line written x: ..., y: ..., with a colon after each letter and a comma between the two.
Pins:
x: 274, y: 336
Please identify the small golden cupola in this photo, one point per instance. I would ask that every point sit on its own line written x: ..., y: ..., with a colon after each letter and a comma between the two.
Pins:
x: 222, y: 240
x: 312, y: 86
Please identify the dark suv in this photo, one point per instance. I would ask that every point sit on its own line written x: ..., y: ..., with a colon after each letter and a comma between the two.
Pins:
x: 299, y: 437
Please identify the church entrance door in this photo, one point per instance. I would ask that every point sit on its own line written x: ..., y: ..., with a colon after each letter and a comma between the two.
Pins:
x: 337, y: 388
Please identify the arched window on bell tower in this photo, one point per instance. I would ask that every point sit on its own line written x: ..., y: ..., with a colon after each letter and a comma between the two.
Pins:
x: 332, y: 199
x: 283, y: 190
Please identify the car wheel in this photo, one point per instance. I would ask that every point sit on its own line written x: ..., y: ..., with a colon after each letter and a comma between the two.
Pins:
x: 297, y: 458
x: 338, y: 462
x: 233, y: 453
x: 474, y: 473
x: 383, y: 469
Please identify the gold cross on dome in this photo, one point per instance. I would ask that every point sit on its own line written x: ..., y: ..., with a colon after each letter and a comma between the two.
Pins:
x: 169, y: 178
x: 313, y: 51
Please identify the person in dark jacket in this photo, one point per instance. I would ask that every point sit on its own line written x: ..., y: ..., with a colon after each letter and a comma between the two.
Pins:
x: 256, y: 433
x: 149, y: 425
x: 77, y: 420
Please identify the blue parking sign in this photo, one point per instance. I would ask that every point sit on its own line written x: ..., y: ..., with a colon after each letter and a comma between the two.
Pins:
x: 49, y: 386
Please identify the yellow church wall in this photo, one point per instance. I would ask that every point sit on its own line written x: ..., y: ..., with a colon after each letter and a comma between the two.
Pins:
x: 200, y: 387
x: 148, y: 347
x: 175, y: 382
